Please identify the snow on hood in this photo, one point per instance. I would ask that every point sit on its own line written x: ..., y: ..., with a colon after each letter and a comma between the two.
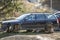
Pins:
x: 9, y: 21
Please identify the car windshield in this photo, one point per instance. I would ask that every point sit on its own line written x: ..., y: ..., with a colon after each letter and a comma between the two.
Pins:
x: 22, y: 16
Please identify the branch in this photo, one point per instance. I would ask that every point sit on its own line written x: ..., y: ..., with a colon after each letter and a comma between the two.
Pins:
x: 5, y: 6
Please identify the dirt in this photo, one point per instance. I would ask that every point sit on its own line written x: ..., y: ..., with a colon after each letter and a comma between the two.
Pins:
x: 53, y: 36
x: 26, y: 37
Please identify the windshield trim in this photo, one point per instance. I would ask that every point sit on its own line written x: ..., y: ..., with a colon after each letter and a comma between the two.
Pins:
x: 22, y: 16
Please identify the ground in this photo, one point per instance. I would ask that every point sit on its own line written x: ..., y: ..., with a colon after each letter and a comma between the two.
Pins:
x: 30, y: 36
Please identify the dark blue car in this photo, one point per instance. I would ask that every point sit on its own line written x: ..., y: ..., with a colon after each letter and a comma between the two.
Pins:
x: 31, y: 21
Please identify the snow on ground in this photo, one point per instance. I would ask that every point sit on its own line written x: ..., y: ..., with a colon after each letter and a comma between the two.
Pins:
x: 26, y: 37
x: 53, y: 36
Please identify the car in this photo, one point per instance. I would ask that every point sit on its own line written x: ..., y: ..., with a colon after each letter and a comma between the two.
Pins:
x: 31, y: 21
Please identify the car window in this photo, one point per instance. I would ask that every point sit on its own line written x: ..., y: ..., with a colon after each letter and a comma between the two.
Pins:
x: 51, y: 17
x: 30, y: 17
x: 40, y: 16
x: 47, y: 15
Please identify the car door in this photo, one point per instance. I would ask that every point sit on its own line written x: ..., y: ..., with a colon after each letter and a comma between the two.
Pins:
x: 29, y: 21
x: 40, y: 19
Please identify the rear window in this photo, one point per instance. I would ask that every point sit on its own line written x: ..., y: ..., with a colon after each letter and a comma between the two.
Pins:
x: 57, y: 14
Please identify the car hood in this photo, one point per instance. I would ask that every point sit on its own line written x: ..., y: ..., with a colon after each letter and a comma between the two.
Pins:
x: 9, y: 21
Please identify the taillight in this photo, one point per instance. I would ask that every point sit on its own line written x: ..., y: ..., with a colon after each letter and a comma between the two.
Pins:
x: 57, y: 20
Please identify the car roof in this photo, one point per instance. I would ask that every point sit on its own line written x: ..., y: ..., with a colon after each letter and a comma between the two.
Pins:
x: 37, y: 13
x: 58, y: 12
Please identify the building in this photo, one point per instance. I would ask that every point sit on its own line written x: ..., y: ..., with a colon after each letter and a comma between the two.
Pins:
x: 55, y: 4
